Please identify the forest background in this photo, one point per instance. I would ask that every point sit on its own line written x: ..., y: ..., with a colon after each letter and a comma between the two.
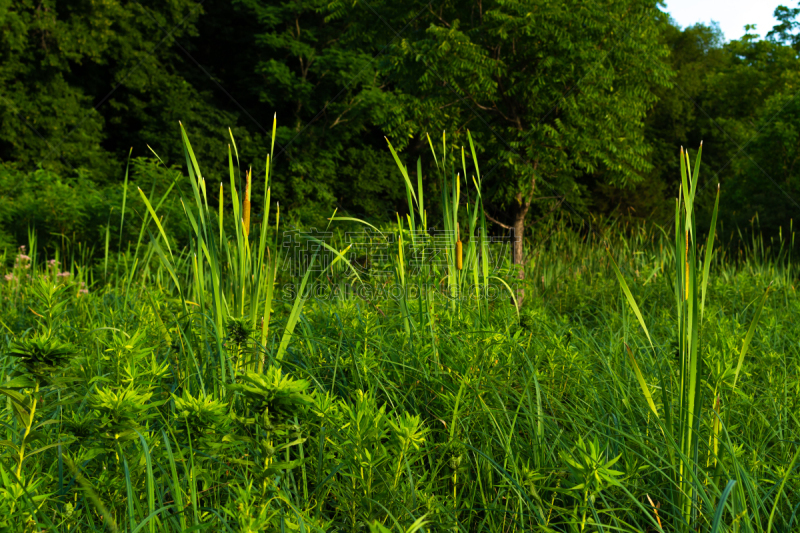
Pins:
x: 577, y: 109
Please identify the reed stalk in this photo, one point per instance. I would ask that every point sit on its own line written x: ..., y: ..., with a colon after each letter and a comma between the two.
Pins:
x: 680, y: 414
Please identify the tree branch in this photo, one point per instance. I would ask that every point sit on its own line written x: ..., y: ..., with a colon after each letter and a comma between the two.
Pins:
x: 533, y: 183
x: 551, y: 210
x: 492, y: 219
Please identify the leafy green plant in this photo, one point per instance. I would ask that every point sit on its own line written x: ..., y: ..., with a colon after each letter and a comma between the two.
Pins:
x: 591, y: 469
x: 201, y: 414
x: 366, y: 413
x: 41, y: 355
x: 679, y: 419
x: 121, y: 414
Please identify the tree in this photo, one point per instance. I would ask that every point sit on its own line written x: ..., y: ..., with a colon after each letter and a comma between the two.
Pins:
x: 767, y: 182
x: 726, y: 95
x: 555, y: 91
x: 765, y: 168
x: 677, y: 119
x: 784, y: 32
x: 82, y: 82
x: 291, y: 60
x: 734, y: 111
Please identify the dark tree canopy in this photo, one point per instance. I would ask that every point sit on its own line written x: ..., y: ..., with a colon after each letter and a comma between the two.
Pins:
x: 555, y: 92
x: 588, y: 100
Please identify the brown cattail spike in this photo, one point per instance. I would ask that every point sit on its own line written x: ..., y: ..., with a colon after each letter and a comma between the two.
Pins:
x: 459, y: 262
x: 246, y: 205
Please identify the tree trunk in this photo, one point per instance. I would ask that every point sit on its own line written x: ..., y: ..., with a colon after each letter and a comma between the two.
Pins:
x: 518, y: 249
x: 521, y: 208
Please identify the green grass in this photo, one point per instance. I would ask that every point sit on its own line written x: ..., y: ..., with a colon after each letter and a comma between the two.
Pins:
x: 181, y: 387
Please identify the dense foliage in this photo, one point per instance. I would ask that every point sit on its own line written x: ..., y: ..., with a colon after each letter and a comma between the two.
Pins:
x: 272, y: 328
x: 215, y: 387
x: 596, y: 96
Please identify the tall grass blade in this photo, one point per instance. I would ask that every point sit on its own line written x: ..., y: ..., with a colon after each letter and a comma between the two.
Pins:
x: 151, y: 484
x: 297, y: 308
x: 721, y: 506
x: 124, y: 199
x: 709, y: 251
x: 629, y: 296
x: 750, y: 332
x: 155, y: 219
x: 789, y: 470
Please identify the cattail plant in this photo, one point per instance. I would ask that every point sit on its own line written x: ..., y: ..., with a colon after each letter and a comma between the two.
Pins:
x: 239, y: 273
x: 246, y: 205
x: 464, y: 267
x: 459, y: 258
x: 683, y: 392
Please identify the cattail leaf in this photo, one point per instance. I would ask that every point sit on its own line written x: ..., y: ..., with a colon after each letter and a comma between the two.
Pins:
x: 155, y: 219
x: 403, y: 171
x: 721, y: 506
x: 709, y: 254
x: 419, y: 191
x: 124, y: 200
x: 274, y: 127
x: 339, y: 255
x: 685, y: 186
x: 514, y: 298
x: 629, y: 296
x: 433, y: 151
x: 351, y: 219
x: 165, y: 261
x: 642, y: 383
x: 474, y: 161
x: 235, y: 150
x: 297, y: 307
x: 750, y: 331
x: 696, y: 170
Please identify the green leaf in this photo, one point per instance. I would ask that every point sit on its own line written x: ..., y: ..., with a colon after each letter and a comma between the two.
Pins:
x: 9, y: 444
x: 19, y: 382
x: 155, y: 219
x: 629, y: 296
x: 751, y: 330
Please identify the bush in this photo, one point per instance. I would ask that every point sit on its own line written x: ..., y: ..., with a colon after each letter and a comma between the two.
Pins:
x: 70, y: 213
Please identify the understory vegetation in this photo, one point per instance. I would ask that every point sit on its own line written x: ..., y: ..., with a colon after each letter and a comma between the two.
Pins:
x: 636, y: 378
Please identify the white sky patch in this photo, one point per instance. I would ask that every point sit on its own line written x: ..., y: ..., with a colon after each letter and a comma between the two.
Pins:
x: 732, y: 15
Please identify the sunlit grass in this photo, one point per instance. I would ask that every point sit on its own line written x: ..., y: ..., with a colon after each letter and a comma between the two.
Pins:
x: 175, y: 387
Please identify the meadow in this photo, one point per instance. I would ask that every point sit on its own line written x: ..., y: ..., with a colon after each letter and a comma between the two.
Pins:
x: 648, y: 381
